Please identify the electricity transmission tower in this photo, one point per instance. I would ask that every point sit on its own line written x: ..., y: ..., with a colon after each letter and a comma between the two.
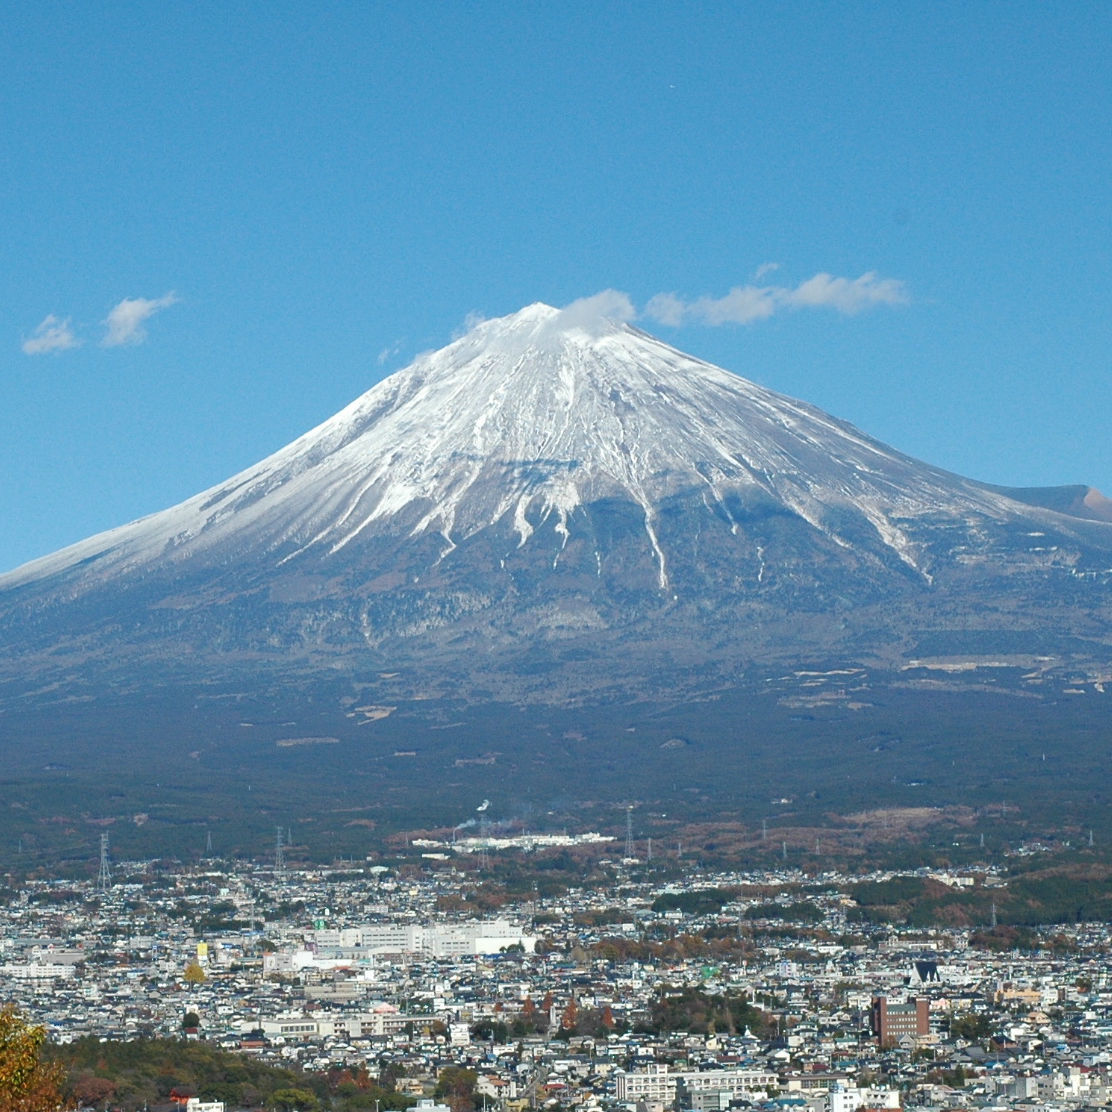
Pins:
x: 104, y: 876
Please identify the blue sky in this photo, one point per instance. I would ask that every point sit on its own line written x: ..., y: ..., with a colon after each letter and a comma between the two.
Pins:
x: 221, y: 223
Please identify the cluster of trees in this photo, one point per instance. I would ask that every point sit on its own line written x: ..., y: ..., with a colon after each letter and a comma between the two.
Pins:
x: 1057, y: 895
x: 801, y: 911
x: 714, y: 944
x: 972, y: 1026
x: 139, y: 1072
x: 955, y: 1078
x: 1004, y: 938
x: 134, y: 1074
x: 691, y: 1009
x: 534, y: 1019
x: 698, y: 901
x: 455, y: 1087
x: 357, y: 1091
x: 596, y: 1022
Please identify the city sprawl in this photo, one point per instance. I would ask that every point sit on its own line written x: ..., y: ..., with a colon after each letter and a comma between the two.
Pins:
x: 730, y: 990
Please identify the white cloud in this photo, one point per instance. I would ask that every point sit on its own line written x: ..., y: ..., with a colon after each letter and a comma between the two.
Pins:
x: 742, y: 305
x: 847, y: 295
x: 665, y: 308
x: 745, y: 304
x: 588, y: 311
x: 125, y: 321
x: 51, y: 336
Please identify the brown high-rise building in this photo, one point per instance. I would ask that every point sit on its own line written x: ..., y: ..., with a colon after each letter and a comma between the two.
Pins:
x: 890, y: 1021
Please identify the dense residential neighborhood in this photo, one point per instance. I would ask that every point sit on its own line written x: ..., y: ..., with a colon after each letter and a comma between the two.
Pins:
x: 730, y: 990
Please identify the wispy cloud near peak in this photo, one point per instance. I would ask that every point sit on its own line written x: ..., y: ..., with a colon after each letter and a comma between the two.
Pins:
x: 746, y: 304
x: 608, y: 304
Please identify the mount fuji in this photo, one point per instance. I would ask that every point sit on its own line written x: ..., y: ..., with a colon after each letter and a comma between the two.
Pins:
x: 560, y: 512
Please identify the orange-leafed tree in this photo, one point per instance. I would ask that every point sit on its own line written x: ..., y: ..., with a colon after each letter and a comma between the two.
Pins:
x: 27, y: 1083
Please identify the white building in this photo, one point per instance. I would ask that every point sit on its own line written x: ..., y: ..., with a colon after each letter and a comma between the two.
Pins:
x: 427, y: 1104
x: 850, y: 1098
x: 438, y: 940
x: 38, y: 971
x: 382, y: 1020
x: 658, y: 1083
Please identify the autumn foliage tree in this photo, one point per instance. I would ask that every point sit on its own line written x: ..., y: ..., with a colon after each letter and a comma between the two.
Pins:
x: 195, y: 974
x: 90, y: 1090
x: 529, y: 1020
x: 456, y: 1087
x: 27, y: 1083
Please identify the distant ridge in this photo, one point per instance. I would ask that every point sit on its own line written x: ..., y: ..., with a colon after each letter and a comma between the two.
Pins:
x: 1077, y: 500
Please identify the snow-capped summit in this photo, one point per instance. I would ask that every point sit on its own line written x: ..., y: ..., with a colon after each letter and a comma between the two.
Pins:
x: 525, y: 422
x: 558, y: 482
